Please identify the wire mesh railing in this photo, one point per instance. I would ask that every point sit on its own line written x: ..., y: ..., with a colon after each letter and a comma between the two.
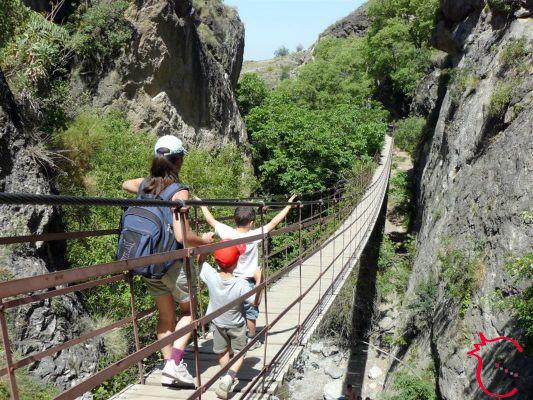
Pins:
x: 330, y: 215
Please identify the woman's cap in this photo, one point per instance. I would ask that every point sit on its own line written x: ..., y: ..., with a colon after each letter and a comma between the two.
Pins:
x: 169, y: 145
x: 227, y: 257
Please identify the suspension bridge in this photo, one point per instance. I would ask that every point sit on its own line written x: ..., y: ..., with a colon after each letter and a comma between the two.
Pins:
x: 295, y: 297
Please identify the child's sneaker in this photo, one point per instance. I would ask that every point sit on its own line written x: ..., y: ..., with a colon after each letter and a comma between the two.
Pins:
x: 178, y: 374
x: 225, y: 384
x: 254, y: 346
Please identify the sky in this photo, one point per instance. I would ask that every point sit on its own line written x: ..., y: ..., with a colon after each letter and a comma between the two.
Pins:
x: 270, y: 24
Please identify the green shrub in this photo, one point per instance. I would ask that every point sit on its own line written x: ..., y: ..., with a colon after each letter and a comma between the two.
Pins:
x: 400, y: 193
x: 409, y: 387
x: 423, y: 303
x: 521, y: 269
x: 394, y: 265
x: 514, y: 53
x: 461, y: 271
x: 251, y: 92
x: 500, y: 99
x: 29, y: 387
x: 37, y: 55
x: 463, y: 82
x: 504, y: 6
x: 398, y: 41
x: 285, y: 73
x: 281, y: 52
x: 13, y: 15
x: 101, y: 32
x: 409, y: 132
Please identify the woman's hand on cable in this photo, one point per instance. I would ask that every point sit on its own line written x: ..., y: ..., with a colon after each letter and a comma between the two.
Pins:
x: 294, y: 196
x: 208, y: 237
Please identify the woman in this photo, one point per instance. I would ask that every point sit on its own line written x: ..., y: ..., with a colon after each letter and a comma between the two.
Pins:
x: 172, y: 287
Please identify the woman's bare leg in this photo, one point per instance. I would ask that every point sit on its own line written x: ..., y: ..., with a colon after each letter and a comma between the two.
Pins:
x: 184, y: 320
x: 166, y: 320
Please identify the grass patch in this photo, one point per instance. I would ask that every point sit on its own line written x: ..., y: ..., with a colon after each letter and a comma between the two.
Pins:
x: 394, y: 265
x: 29, y: 387
x: 461, y: 271
x: 514, y: 54
x: 463, y: 82
x: 407, y: 386
x: 408, y: 134
x: 400, y: 194
x: 500, y: 99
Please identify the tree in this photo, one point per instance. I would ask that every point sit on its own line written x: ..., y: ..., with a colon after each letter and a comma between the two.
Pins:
x: 251, y: 92
x: 300, y: 47
x: 282, y: 51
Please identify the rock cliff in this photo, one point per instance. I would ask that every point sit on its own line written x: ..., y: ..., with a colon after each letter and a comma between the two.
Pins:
x: 354, y: 24
x: 45, y: 324
x: 473, y: 194
x: 177, y: 74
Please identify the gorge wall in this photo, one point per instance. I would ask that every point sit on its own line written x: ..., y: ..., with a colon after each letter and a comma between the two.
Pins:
x: 473, y: 195
x: 177, y: 74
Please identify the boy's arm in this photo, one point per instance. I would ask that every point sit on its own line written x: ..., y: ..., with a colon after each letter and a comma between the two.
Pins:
x: 279, y: 217
x: 258, y: 277
x: 207, y: 214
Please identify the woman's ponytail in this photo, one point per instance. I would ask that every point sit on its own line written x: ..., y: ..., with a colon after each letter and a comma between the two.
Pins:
x: 164, y: 171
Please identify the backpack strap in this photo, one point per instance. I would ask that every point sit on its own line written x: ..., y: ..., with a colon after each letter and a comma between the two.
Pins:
x: 171, y: 190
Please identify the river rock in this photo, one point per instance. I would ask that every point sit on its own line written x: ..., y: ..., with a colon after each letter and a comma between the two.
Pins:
x: 333, y: 390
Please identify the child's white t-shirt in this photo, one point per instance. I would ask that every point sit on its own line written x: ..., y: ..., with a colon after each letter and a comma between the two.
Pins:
x: 249, y: 261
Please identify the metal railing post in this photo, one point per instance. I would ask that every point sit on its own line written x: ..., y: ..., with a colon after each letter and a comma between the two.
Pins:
x: 197, y: 281
x: 192, y: 294
x: 129, y: 278
x: 320, y: 257
x: 264, y: 277
x: 8, y: 356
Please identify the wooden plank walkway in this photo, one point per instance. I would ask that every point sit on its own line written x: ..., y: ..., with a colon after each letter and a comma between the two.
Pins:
x: 279, y: 296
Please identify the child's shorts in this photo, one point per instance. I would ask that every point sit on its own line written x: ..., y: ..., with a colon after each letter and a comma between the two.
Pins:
x: 251, y: 311
x: 226, y: 338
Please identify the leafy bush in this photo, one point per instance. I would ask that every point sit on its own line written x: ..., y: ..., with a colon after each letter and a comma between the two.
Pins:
x: 13, y: 15
x: 504, y: 6
x: 251, y: 92
x: 514, y: 53
x: 301, y: 150
x: 285, y: 73
x: 461, y: 272
x: 394, y: 265
x: 500, y: 99
x: 400, y: 194
x: 37, y: 55
x: 281, y: 52
x: 521, y: 269
x: 409, y: 132
x: 423, y: 303
x: 398, y: 41
x: 463, y: 82
x: 410, y: 387
x: 102, y: 31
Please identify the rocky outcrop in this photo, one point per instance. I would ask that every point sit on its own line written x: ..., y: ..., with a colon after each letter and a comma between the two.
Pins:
x: 177, y: 74
x: 473, y: 189
x: 45, y: 324
x: 354, y: 24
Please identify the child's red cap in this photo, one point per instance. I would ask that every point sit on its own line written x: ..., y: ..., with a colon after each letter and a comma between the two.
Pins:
x: 227, y: 257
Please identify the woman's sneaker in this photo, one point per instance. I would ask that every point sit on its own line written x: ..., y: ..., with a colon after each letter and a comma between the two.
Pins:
x: 225, y: 384
x: 177, y: 375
